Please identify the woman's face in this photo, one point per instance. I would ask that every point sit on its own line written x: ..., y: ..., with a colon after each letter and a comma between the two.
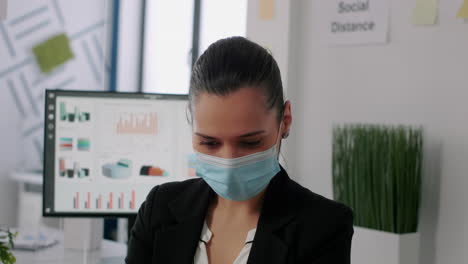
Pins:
x: 236, y: 125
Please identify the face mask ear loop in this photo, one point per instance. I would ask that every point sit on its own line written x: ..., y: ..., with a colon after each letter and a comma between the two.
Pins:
x: 278, y: 139
x: 280, y: 136
x: 283, y: 161
x: 280, y: 155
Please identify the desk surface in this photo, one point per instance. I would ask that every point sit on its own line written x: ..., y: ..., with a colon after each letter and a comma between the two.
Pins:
x: 111, y: 252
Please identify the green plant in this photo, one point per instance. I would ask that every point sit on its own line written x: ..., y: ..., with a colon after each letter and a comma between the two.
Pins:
x: 377, y: 171
x: 6, y: 242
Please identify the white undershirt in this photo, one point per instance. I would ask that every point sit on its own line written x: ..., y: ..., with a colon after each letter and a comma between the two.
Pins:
x: 201, y: 257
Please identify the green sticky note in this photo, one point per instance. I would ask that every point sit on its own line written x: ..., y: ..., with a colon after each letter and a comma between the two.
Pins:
x: 425, y: 12
x: 53, y: 52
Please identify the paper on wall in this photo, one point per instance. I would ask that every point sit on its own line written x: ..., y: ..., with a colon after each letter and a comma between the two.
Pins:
x: 3, y: 9
x: 53, y: 52
x: 463, y: 12
x: 266, y: 9
x: 425, y: 12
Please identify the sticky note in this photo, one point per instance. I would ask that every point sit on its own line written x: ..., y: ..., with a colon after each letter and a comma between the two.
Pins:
x: 53, y: 52
x: 266, y: 9
x: 463, y: 12
x: 3, y: 9
x: 425, y: 12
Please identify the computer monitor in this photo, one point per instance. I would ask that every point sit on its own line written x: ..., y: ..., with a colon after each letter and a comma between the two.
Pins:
x: 104, y: 151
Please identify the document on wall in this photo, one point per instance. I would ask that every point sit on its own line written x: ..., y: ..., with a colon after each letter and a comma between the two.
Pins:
x: 354, y: 22
x: 425, y: 12
x: 266, y: 9
x: 3, y: 9
x: 463, y: 12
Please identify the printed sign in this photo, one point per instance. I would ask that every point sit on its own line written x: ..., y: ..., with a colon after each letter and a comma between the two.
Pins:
x: 351, y: 22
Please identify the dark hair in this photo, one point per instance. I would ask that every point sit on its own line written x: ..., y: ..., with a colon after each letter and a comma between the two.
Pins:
x: 232, y: 63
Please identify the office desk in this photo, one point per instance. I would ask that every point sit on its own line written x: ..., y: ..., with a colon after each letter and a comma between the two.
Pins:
x: 110, y: 253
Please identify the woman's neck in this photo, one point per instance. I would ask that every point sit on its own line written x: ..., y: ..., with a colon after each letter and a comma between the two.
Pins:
x: 231, y: 208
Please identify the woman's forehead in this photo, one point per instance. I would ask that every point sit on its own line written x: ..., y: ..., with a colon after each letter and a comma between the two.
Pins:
x: 240, y: 112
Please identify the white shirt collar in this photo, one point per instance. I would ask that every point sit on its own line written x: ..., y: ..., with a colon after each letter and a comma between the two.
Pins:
x: 206, y: 234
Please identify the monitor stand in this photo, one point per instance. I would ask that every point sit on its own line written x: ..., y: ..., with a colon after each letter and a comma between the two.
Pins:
x: 83, y: 233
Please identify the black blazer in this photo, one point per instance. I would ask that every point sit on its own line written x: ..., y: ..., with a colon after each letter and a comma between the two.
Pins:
x: 295, y: 225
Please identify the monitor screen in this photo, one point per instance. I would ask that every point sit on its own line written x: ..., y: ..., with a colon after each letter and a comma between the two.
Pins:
x: 104, y: 151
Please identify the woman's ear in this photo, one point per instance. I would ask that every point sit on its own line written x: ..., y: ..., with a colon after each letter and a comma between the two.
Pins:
x: 287, y: 119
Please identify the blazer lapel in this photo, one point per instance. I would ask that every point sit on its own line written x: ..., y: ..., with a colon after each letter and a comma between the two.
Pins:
x: 177, y: 243
x: 267, y: 248
x: 279, y: 208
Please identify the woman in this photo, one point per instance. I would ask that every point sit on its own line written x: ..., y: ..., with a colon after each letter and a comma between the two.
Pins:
x: 244, y: 208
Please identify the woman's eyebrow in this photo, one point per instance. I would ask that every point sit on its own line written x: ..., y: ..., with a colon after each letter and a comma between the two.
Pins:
x: 204, y: 136
x: 241, y: 136
x: 252, y: 133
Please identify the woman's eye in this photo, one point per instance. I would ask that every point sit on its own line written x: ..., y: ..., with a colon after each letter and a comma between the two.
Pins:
x: 209, y: 143
x: 251, y: 143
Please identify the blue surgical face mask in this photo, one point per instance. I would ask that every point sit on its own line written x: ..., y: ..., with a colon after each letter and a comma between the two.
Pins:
x: 238, y: 178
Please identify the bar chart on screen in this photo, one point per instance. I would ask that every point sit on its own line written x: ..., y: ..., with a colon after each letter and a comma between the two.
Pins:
x: 104, y: 201
x: 137, y: 123
x: 128, y: 129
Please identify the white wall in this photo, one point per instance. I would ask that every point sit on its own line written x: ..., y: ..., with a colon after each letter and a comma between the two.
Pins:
x: 418, y: 78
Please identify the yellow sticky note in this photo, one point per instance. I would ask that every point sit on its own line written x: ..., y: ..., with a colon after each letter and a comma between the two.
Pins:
x: 463, y: 12
x: 425, y: 12
x: 266, y: 9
